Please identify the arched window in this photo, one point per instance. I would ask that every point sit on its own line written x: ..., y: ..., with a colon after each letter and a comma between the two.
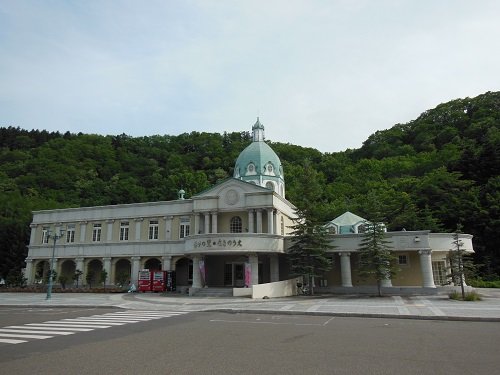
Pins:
x: 235, y: 225
x: 270, y: 185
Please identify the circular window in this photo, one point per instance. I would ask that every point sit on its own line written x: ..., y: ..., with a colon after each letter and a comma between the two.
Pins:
x: 269, y: 168
x: 251, y: 168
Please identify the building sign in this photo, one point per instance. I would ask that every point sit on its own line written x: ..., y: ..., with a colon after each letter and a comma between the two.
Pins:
x: 209, y: 243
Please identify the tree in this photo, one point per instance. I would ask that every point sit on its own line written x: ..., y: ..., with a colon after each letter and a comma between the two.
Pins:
x: 63, y: 279
x: 76, y: 276
x: 307, y: 254
x: 375, y: 257
x: 461, y: 265
x: 122, y: 277
x: 103, y: 275
x: 89, y: 278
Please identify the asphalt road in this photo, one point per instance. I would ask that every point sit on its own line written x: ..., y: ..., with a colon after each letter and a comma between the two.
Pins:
x: 216, y: 343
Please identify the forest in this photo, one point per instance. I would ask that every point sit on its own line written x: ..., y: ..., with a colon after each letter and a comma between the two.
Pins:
x: 435, y: 172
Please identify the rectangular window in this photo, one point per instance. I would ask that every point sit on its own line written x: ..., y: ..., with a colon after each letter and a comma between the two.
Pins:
x: 70, y: 233
x: 96, y: 233
x: 45, y: 235
x: 184, y: 229
x: 439, y: 273
x: 403, y: 260
x: 153, y: 229
x: 124, y: 229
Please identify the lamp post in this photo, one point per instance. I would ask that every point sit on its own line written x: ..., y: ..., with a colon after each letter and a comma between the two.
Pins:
x: 55, y: 236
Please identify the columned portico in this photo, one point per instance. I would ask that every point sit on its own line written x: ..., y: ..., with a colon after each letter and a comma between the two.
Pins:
x: 270, y: 221
x: 426, y: 268
x: 207, y: 222
x: 259, y: 221
x: 250, y: 221
x: 345, y: 269
x: 214, y: 222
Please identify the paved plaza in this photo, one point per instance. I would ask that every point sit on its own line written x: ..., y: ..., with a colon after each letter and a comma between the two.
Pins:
x: 416, y: 307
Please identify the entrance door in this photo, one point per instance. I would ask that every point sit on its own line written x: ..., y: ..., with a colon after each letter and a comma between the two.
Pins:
x: 239, y: 274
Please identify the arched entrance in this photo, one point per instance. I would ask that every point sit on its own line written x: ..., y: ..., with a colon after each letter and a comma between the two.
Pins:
x: 93, y: 274
x: 153, y: 264
x: 41, y: 271
x: 123, y: 270
x: 68, y: 268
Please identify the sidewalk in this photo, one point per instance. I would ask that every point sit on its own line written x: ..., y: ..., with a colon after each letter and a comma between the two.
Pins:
x: 437, y: 307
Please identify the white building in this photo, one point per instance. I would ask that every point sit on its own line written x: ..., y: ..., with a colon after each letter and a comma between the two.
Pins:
x: 211, y: 238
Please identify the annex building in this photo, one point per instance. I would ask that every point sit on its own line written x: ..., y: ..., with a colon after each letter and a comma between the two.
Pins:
x: 235, y: 234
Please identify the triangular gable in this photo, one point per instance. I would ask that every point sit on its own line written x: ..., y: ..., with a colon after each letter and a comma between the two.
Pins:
x: 347, y: 218
x: 244, y: 187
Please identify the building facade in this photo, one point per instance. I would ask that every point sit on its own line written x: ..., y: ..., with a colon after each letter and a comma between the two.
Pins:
x: 234, y: 234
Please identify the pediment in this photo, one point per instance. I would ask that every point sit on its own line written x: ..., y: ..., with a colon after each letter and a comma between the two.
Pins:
x: 228, y: 189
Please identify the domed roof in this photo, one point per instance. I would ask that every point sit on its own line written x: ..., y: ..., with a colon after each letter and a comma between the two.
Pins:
x: 259, y: 164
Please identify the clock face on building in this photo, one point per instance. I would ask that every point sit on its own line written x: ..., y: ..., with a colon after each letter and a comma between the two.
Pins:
x: 232, y: 197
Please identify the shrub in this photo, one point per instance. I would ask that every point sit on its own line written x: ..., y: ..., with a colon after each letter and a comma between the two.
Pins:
x: 469, y: 296
x: 479, y: 283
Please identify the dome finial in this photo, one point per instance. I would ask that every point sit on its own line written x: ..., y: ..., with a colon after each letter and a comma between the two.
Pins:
x: 258, y: 131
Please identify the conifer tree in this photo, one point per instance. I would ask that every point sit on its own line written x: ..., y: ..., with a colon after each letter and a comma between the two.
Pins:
x: 375, y: 257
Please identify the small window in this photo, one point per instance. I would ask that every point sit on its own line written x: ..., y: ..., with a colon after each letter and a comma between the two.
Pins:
x: 96, y: 233
x: 124, y: 230
x: 403, y: 260
x: 153, y: 229
x: 235, y: 225
x: 70, y: 233
x: 45, y: 235
x: 184, y: 228
x: 270, y: 168
x: 270, y: 185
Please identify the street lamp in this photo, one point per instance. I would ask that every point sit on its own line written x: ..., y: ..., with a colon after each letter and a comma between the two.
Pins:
x: 55, y: 236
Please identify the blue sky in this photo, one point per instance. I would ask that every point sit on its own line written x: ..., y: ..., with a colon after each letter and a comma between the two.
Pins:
x: 322, y: 74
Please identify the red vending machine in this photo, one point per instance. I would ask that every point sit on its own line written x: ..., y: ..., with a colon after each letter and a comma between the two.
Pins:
x: 144, y: 281
x: 158, y: 281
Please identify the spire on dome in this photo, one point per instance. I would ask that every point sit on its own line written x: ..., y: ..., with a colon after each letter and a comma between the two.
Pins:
x: 258, y: 131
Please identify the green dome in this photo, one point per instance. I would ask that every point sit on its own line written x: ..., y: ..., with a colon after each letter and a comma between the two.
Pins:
x: 259, y: 164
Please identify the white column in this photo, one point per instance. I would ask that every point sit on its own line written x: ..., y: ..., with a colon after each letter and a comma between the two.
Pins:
x: 107, y: 267
x: 196, y: 224
x: 345, y: 269
x: 83, y: 231
x: 196, y: 271
x: 214, y: 222
x: 138, y: 226
x: 207, y: 222
x: 275, y: 268
x: 109, y: 230
x: 33, y: 234
x: 259, y: 221
x: 28, y: 272
x: 426, y: 268
x: 136, y: 264
x: 254, y: 265
x: 270, y: 221
x: 166, y: 263
x: 250, y: 221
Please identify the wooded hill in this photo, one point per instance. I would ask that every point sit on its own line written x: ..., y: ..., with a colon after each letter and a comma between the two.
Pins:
x: 431, y: 173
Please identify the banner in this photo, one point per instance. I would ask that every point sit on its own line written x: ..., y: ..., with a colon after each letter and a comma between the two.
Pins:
x: 202, y: 272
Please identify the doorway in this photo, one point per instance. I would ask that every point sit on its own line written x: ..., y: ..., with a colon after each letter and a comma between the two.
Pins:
x: 234, y: 274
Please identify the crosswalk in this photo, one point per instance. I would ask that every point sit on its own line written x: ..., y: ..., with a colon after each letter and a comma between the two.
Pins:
x: 53, y: 328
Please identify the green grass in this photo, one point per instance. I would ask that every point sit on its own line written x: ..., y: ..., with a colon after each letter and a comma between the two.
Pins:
x: 469, y: 296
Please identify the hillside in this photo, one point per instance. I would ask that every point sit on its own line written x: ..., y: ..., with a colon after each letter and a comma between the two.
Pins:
x: 431, y: 173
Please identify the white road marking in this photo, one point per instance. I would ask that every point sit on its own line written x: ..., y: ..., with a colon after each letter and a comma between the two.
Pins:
x: 53, y: 328
x: 23, y: 330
